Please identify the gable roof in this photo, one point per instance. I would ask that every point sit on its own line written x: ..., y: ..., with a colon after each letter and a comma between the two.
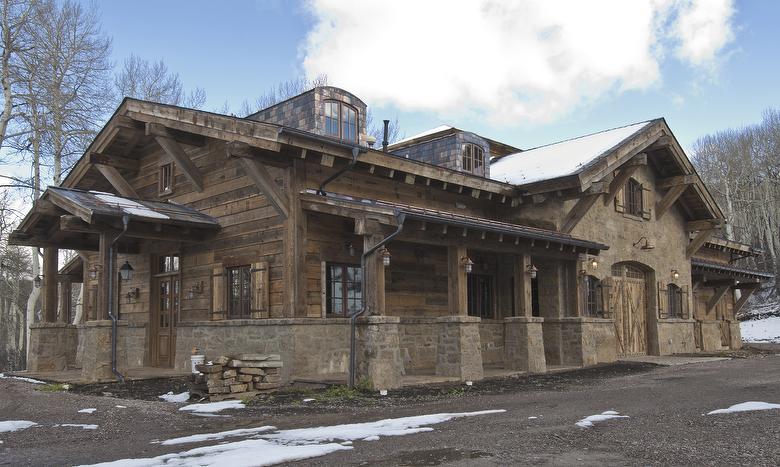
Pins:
x: 497, y: 148
x: 562, y: 158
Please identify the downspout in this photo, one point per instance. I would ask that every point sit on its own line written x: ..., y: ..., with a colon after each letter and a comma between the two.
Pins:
x: 400, y: 217
x: 355, y: 153
x: 114, y: 319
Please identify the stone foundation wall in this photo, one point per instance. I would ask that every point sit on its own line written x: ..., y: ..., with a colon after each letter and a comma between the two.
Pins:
x: 418, y: 338
x: 308, y: 346
x: 94, y: 348
x: 736, y: 335
x: 676, y: 336
x: 491, y: 336
x: 551, y: 330
x: 599, y: 344
x: 51, y: 346
x: 579, y: 341
x: 378, y: 356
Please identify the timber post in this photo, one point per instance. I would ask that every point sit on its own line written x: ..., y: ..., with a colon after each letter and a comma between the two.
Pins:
x: 49, y: 284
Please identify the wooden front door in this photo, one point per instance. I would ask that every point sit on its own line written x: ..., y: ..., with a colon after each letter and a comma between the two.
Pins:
x: 165, y: 315
x: 628, y: 305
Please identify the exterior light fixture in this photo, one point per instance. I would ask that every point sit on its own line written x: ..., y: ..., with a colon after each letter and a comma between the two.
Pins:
x: 350, y: 248
x: 675, y: 274
x: 467, y: 264
x: 594, y: 263
x: 385, y: 257
x: 196, y: 289
x: 126, y: 271
x: 647, y: 244
x: 532, y: 271
x: 37, y: 282
x: 93, y: 272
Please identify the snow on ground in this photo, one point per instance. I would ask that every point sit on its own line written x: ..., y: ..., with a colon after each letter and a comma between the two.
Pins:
x: 308, y: 399
x: 171, y: 397
x: 78, y: 425
x: 15, y: 425
x: 588, y: 422
x: 746, y: 407
x: 120, y: 406
x: 761, y: 330
x: 215, y: 436
x: 22, y: 378
x: 213, y: 407
x: 90, y: 410
x: 287, y: 445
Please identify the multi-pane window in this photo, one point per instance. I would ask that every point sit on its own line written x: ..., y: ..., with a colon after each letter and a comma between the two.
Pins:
x: 480, y: 295
x: 239, y: 281
x: 633, y: 194
x: 340, y: 121
x: 593, y: 298
x: 167, y: 263
x: 473, y: 158
x: 675, y: 298
x: 344, y: 291
x: 166, y: 178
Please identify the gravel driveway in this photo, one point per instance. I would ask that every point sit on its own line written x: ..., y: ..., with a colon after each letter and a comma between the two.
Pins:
x: 666, y: 406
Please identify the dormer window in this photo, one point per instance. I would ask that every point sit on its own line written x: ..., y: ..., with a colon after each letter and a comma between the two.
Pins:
x: 340, y: 121
x: 473, y: 159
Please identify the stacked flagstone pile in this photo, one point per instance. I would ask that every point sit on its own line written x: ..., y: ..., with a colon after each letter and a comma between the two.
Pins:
x: 244, y: 375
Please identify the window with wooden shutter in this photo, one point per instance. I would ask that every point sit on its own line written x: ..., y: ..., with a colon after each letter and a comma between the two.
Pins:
x: 607, y: 290
x: 620, y: 201
x: 633, y: 197
x: 662, y: 301
x: 260, y: 297
x: 647, y: 202
x: 218, y: 293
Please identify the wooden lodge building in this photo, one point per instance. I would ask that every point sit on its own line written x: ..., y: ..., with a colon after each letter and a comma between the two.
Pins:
x: 454, y: 255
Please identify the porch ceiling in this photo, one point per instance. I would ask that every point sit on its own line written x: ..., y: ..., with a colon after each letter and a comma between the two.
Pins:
x: 386, y: 212
x: 75, y: 219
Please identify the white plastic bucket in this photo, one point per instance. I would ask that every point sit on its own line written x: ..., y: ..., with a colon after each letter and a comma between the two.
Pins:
x: 197, y: 360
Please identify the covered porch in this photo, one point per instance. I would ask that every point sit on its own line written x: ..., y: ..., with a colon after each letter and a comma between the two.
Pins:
x: 450, y: 296
x: 109, y: 233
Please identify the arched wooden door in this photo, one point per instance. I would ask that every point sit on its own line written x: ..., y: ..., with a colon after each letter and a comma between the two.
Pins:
x: 628, y: 306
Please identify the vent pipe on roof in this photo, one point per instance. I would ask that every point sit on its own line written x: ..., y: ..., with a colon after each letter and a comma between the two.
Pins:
x: 384, y: 140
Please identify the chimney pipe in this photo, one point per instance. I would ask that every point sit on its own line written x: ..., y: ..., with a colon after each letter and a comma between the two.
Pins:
x: 384, y: 141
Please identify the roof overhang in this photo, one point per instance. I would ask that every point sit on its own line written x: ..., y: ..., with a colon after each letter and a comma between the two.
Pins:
x: 712, y: 269
x: 75, y: 219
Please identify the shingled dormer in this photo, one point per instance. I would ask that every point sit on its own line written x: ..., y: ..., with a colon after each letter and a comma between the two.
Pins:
x: 323, y: 110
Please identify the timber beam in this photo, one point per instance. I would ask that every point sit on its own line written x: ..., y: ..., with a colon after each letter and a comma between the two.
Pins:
x: 583, y: 205
x: 70, y: 223
x: 262, y: 178
x: 720, y: 292
x: 669, y: 199
x: 118, y: 162
x: 171, y: 147
x: 706, y: 224
x: 698, y: 241
x: 743, y: 299
x: 117, y: 181
x: 670, y: 182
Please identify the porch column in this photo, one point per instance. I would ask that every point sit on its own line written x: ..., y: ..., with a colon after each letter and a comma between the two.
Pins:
x: 104, y: 275
x: 49, y: 285
x: 65, y: 298
x: 374, y: 289
x: 522, y: 286
x: 457, y: 281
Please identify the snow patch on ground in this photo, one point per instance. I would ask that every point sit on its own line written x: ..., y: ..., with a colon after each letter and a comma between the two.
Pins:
x: 761, y: 330
x: 22, y: 378
x: 90, y: 410
x: 120, y: 406
x: 215, y: 436
x: 588, y: 421
x: 15, y: 425
x: 171, y: 397
x: 79, y: 425
x: 213, y: 407
x: 309, y: 399
x: 746, y: 407
x: 287, y: 445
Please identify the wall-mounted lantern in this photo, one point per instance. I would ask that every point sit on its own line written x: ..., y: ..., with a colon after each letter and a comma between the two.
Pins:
x: 594, y: 263
x: 385, y: 257
x: 93, y: 272
x: 532, y: 271
x: 126, y: 271
x: 468, y: 265
x: 647, y: 245
x: 37, y: 282
x: 350, y: 248
x: 675, y: 274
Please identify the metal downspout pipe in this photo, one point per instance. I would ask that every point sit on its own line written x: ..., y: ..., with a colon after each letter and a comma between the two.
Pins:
x: 401, y: 217
x: 114, y: 318
x: 348, y: 167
